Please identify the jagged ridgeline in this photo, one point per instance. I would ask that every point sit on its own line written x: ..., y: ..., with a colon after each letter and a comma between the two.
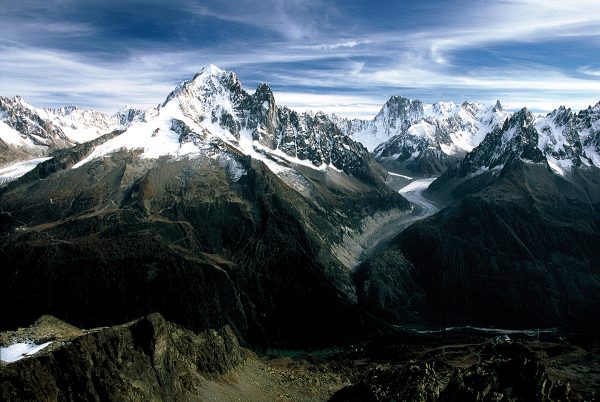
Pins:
x: 424, y: 139
x: 517, y: 245
x: 220, y: 207
x: 415, y: 138
x: 216, y: 208
x: 163, y: 362
x: 27, y: 132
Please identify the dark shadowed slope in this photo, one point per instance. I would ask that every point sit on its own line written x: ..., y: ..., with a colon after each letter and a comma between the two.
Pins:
x: 517, y: 248
x: 219, y: 208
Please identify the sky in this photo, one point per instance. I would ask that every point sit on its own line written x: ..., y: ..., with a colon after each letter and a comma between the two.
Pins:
x: 345, y: 57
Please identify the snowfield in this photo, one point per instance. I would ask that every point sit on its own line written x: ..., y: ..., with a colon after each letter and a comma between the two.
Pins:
x: 19, y: 350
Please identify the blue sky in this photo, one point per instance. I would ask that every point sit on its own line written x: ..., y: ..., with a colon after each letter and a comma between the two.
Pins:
x: 347, y: 57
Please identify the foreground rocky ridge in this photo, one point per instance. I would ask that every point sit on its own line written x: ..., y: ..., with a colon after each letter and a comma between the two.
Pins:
x: 153, y: 359
x: 148, y: 359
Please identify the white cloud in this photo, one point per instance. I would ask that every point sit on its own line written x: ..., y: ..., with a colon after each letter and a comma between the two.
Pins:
x: 293, y: 19
x: 511, y: 20
x: 55, y: 78
x: 589, y: 71
x: 351, y: 106
x: 543, y: 104
x: 52, y: 78
x: 307, y: 56
x: 334, y: 46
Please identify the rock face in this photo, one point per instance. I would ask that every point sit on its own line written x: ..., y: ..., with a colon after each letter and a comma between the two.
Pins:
x: 24, y: 134
x: 146, y: 359
x: 215, y: 102
x: 507, y: 372
x: 570, y: 139
x: 205, y: 241
x: 517, y: 138
x: 23, y: 118
x: 408, y: 135
x: 561, y: 141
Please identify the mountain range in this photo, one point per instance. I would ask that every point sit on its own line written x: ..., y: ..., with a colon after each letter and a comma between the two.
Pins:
x: 219, y: 208
x: 249, y: 206
x: 26, y: 131
x: 406, y: 135
x: 424, y: 139
x: 513, y: 247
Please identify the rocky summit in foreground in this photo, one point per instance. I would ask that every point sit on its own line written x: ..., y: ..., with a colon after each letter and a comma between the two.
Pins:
x: 155, y: 360
x: 152, y: 359
x: 149, y: 359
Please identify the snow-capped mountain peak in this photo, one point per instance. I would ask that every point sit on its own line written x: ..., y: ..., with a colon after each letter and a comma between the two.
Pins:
x: 21, y: 102
x: 405, y: 131
x: 212, y: 70
x: 516, y: 138
x: 208, y: 88
x: 80, y: 125
x: 498, y: 107
x: 31, y: 132
x: 561, y: 139
x: 25, y: 127
x: 212, y: 111
x: 439, y: 109
x: 522, y: 118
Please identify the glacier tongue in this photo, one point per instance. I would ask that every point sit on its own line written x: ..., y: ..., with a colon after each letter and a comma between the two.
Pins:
x: 13, y: 172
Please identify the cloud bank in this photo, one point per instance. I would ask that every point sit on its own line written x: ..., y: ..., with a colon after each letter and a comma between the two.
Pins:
x: 343, y: 57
